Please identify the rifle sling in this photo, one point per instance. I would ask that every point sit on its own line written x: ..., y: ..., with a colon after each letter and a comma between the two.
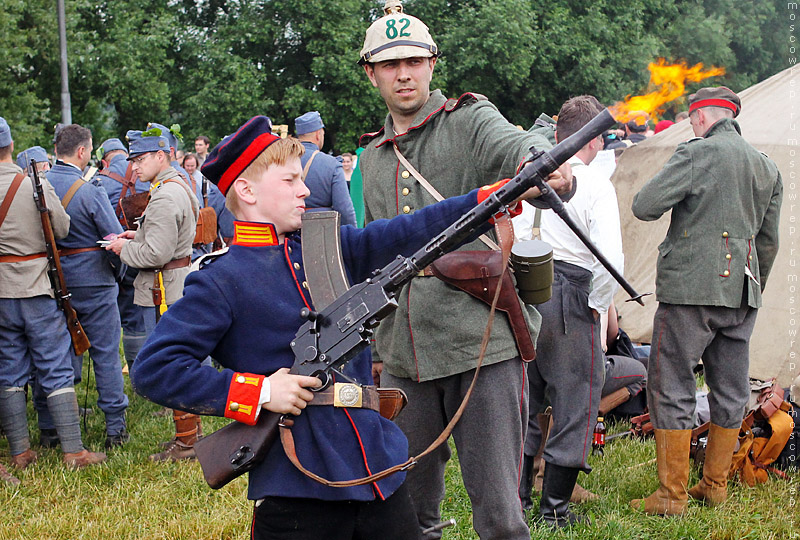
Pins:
x: 287, y: 440
x: 71, y: 192
x: 12, y: 190
x: 308, y: 164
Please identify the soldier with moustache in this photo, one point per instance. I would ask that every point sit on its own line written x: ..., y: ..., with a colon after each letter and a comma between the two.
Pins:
x: 91, y: 273
x: 161, y: 249
x: 725, y: 198
x: 429, y: 346
x: 115, y: 176
x: 33, y: 332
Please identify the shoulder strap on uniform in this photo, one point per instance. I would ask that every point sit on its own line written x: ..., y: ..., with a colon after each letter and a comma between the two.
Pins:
x: 114, y: 176
x: 71, y: 192
x: 186, y: 187
x: 433, y: 191
x: 469, y: 97
x: 308, y: 164
x: 12, y: 190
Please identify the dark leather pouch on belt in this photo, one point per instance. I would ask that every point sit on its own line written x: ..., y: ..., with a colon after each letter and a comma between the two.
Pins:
x: 392, y: 401
x: 477, y: 273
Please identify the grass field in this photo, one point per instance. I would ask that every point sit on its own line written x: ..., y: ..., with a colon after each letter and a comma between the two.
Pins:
x: 132, y: 498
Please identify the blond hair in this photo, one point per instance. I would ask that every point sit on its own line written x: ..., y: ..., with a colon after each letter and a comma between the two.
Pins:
x: 278, y: 153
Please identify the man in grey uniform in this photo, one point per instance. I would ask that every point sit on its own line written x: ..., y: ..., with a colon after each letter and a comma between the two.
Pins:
x: 430, y: 344
x: 161, y: 249
x: 725, y: 198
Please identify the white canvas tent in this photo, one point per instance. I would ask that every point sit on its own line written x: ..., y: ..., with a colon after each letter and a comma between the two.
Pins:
x: 770, y: 121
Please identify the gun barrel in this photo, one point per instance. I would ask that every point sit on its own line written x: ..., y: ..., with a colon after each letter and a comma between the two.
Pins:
x: 533, y: 174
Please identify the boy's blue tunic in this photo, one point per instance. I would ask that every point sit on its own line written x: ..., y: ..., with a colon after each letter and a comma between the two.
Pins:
x: 243, y: 308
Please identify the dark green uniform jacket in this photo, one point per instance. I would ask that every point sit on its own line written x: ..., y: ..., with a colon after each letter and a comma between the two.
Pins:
x: 725, y: 198
x: 457, y: 145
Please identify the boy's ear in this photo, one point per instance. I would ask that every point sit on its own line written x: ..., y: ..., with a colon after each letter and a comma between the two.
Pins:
x: 242, y: 188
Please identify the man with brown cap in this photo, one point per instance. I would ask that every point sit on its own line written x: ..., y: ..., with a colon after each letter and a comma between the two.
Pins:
x: 725, y: 198
x: 429, y: 346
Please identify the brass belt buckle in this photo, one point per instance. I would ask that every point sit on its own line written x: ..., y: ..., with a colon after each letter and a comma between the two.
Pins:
x: 347, y: 395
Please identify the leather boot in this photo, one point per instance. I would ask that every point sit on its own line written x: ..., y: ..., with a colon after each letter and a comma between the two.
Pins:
x: 556, y: 491
x: 84, y: 458
x: 579, y: 493
x: 713, y: 487
x: 612, y: 401
x: 672, y: 456
x: 187, y: 426
x: 526, y: 482
x: 7, y: 477
x: 21, y: 461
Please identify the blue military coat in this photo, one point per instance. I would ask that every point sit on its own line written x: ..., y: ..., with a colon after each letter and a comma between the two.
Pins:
x: 325, y: 180
x: 243, y: 308
x: 91, y: 219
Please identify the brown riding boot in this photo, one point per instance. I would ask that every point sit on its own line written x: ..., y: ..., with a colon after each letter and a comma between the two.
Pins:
x: 713, y: 487
x: 187, y: 427
x: 20, y: 461
x: 672, y: 455
x: 6, y: 476
x: 84, y: 458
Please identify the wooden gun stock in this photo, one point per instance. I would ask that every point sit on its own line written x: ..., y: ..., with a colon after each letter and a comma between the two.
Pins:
x: 80, y: 342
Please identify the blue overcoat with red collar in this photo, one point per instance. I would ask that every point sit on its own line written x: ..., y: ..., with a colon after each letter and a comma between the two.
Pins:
x: 243, y: 308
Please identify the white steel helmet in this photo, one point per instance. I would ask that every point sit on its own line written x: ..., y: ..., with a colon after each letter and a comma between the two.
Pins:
x: 397, y: 35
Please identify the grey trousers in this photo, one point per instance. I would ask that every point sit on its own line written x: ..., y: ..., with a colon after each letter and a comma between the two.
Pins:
x: 682, y: 335
x: 568, y: 371
x: 488, y: 439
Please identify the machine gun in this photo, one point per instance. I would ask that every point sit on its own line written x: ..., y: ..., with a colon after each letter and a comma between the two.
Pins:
x: 341, y: 330
x: 80, y: 342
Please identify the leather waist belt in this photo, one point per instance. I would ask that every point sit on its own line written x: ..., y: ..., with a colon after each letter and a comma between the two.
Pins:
x: 72, y: 251
x: 348, y: 395
x: 21, y: 258
x: 426, y: 272
x: 176, y: 263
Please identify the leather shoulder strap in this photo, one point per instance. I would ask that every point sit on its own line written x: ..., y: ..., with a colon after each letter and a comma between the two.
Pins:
x: 12, y: 190
x: 114, y: 176
x: 308, y: 164
x: 186, y: 187
x: 71, y: 192
x: 434, y: 193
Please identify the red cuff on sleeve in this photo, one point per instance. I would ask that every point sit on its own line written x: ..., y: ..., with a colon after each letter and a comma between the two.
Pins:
x: 243, y: 396
x: 485, y: 191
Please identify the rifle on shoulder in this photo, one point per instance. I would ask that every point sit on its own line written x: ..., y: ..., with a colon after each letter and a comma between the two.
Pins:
x: 80, y: 342
x: 341, y: 330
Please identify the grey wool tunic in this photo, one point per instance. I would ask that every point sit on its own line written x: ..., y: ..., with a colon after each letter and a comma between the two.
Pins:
x: 457, y: 145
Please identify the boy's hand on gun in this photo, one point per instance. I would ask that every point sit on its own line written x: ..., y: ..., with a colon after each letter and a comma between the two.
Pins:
x: 288, y: 393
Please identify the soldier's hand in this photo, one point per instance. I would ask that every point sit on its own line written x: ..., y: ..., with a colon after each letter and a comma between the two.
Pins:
x: 127, y: 234
x: 561, y: 179
x: 377, y: 369
x: 288, y: 393
x: 116, y: 245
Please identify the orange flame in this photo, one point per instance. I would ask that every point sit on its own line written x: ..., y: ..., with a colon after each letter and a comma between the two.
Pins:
x: 669, y: 82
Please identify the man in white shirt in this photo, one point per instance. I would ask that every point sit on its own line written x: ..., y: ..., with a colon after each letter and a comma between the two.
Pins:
x: 570, y: 364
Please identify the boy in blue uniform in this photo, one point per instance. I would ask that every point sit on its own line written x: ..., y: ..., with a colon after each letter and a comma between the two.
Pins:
x: 243, y: 308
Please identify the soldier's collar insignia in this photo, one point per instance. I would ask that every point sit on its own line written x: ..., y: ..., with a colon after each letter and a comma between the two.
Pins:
x: 254, y: 234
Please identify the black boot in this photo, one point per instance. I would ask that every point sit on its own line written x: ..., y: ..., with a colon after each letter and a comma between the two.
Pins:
x: 526, y: 482
x: 556, y: 490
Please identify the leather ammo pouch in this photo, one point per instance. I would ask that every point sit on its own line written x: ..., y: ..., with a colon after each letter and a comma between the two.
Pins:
x: 132, y: 207
x: 477, y: 273
x: 206, y: 226
x: 206, y: 229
